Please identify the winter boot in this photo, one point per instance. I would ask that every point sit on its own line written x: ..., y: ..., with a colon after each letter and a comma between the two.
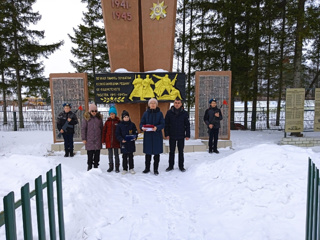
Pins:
x: 66, y: 153
x: 117, y: 168
x: 89, y: 167
x: 110, y: 167
x: 156, y: 159
x: 169, y: 169
x: 148, y: 161
x: 71, y: 153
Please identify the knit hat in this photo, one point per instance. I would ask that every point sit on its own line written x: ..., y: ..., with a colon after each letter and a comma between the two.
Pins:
x: 113, y: 110
x: 92, y: 107
x: 67, y: 105
x: 152, y: 100
x: 212, y: 100
x: 124, y: 114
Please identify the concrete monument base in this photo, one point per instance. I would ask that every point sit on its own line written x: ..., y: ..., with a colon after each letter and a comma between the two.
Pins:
x: 301, y: 141
x: 194, y: 145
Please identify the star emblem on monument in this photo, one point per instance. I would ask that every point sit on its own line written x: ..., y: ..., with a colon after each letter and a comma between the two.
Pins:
x: 158, y: 11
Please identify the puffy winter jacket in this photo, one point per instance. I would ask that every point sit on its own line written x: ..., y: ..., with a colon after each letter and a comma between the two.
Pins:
x: 63, y: 117
x: 177, y: 125
x: 91, y: 131
x: 109, y: 133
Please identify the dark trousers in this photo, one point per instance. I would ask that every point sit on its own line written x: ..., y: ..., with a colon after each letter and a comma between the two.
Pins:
x: 213, y: 139
x: 93, y: 158
x: 125, y: 157
x: 114, y: 151
x: 68, y: 141
x: 156, y: 159
x: 172, y: 145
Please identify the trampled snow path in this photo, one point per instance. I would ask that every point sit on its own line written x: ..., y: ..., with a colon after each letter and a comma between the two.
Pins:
x: 257, y: 190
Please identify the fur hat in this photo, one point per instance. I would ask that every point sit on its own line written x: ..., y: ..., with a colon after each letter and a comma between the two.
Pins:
x: 113, y: 110
x: 92, y: 107
x: 152, y: 100
x: 212, y: 100
x: 124, y: 114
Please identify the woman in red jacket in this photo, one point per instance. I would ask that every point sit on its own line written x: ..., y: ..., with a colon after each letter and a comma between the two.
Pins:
x: 110, y: 139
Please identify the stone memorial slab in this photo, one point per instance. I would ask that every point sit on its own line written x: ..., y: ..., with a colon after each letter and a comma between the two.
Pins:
x: 294, y: 109
x: 212, y: 85
x: 68, y: 88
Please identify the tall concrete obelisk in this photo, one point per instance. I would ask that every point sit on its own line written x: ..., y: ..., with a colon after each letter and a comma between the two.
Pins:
x: 140, y: 37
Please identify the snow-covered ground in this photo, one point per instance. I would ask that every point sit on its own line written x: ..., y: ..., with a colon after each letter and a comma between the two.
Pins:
x: 255, y: 190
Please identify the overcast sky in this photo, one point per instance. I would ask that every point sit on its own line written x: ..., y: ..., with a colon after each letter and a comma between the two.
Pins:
x: 59, y: 17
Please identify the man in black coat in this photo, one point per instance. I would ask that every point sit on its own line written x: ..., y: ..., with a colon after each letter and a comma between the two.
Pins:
x: 212, y: 118
x: 177, y: 128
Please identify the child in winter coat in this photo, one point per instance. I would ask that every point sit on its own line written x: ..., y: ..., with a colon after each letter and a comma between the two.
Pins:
x: 68, y: 118
x: 110, y: 139
x: 212, y: 118
x: 127, y: 134
x: 91, y: 133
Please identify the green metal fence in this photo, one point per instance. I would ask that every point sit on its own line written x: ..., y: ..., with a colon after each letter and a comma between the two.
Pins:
x: 313, y: 207
x: 7, y: 217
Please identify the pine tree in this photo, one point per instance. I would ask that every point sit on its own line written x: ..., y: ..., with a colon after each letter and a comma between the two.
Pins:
x: 313, y: 54
x: 91, y: 51
x: 24, y: 49
x: 4, y: 30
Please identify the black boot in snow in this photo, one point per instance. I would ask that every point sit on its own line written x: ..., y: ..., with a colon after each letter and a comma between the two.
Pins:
x: 89, y: 167
x: 156, y: 159
x: 146, y: 170
x: 169, y: 169
x: 117, y: 168
x: 110, y: 167
x: 66, y: 153
x: 147, y: 162
x: 71, y: 153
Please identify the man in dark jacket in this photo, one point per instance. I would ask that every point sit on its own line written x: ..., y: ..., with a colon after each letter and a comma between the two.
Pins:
x: 212, y: 118
x: 67, y: 116
x: 177, y: 128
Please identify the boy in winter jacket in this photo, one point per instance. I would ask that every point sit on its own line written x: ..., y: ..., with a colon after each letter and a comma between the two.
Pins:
x: 127, y: 133
x: 91, y: 133
x: 212, y: 118
x: 67, y: 120
x: 110, y: 139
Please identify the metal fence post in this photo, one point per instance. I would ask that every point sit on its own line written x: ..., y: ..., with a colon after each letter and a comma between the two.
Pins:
x: 309, y: 202
x: 315, y: 203
x: 40, y: 211
x: 52, y: 222
x: 60, y: 202
x: 26, y: 212
x: 15, y: 128
x: 10, y: 217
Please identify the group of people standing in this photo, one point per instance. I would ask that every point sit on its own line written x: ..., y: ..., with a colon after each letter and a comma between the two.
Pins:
x: 121, y: 134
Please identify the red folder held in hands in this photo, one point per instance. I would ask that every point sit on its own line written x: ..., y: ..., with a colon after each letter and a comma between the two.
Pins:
x: 149, y: 127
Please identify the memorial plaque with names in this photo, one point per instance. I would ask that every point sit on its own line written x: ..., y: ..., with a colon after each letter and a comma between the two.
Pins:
x: 294, y: 109
x: 317, y: 110
x: 68, y: 88
x: 213, y: 85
